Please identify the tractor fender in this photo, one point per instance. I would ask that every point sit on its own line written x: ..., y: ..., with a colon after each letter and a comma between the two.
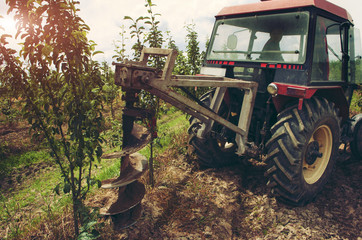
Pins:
x: 288, y: 95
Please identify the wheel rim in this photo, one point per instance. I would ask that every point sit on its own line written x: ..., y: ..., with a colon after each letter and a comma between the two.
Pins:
x: 317, y: 156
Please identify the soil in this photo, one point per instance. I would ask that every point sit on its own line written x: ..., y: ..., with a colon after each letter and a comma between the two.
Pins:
x: 187, y: 202
x: 16, y: 138
x: 234, y: 203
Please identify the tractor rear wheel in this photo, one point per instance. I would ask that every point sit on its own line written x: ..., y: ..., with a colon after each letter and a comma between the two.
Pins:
x: 212, y: 152
x: 302, y: 151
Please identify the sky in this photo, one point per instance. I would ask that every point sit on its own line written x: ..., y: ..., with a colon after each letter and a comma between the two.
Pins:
x: 105, y: 17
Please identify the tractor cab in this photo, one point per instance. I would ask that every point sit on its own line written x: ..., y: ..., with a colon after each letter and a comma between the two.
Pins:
x: 306, y: 43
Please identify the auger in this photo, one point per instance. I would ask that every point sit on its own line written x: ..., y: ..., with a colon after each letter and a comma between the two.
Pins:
x: 126, y: 208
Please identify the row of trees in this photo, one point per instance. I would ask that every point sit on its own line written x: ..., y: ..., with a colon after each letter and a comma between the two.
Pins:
x: 145, y: 32
x: 63, y: 90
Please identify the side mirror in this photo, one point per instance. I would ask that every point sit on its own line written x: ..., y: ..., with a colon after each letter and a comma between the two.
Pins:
x: 232, y: 41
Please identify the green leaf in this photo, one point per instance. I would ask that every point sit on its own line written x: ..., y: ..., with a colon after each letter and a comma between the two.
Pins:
x: 99, y: 151
x: 66, y: 188
x: 56, y: 189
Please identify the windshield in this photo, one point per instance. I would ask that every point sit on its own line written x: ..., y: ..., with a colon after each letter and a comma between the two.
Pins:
x: 271, y: 38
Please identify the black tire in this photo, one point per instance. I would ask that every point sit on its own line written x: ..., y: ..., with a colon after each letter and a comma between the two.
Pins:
x: 296, y: 174
x: 210, y: 152
x: 356, y: 143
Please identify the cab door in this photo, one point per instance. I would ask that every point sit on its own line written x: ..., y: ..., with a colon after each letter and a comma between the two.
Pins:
x: 328, y: 59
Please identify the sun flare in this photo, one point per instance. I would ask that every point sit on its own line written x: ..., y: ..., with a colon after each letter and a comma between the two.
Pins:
x: 8, y: 25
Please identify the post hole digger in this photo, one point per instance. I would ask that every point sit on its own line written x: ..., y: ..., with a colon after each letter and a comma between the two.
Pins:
x: 281, y: 99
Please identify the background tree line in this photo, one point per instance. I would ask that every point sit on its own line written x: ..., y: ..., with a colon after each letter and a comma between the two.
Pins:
x: 145, y: 32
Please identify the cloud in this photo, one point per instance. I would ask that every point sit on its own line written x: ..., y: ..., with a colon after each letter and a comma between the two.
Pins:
x: 106, y: 16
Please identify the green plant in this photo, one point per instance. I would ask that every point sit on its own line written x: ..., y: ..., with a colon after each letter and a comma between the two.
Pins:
x: 110, y: 89
x: 120, y: 46
x: 356, y: 103
x: 154, y: 38
x: 136, y: 32
x: 4, y: 151
x: 89, y: 229
x: 26, y: 159
x: 193, y: 50
x: 11, y: 218
x: 9, y: 109
x: 113, y: 135
x: 61, y: 87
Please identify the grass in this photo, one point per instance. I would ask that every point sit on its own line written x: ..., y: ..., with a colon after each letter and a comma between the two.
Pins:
x: 35, y: 201
x: 356, y: 103
x: 7, y: 164
x: 169, y: 126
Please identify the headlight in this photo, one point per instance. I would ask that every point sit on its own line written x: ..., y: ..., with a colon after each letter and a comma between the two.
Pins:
x: 272, y: 89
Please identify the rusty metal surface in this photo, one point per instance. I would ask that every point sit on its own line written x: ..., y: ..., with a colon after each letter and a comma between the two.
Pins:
x: 127, y: 219
x: 138, y: 164
x: 137, y: 140
x: 133, y: 74
x: 127, y: 199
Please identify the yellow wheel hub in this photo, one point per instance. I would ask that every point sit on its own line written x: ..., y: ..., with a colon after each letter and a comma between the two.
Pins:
x: 318, y: 154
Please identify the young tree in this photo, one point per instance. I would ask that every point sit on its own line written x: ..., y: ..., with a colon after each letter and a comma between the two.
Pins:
x: 193, y: 50
x: 154, y: 38
x: 136, y: 32
x: 110, y: 89
x: 193, y: 60
x: 61, y: 87
x: 120, y: 46
x: 171, y: 43
x: 181, y: 59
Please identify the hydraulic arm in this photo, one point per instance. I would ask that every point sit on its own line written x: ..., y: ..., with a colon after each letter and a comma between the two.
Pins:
x: 137, y: 75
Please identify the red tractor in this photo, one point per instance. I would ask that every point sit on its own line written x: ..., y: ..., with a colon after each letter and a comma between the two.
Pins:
x: 282, y: 73
x: 305, y: 56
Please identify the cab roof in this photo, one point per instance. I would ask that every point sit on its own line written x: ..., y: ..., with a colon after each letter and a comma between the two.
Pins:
x: 270, y: 5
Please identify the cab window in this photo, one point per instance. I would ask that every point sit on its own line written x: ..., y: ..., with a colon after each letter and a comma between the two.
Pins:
x: 327, y: 54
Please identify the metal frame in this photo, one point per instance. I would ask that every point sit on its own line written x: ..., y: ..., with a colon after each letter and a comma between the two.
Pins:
x: 137, y: 75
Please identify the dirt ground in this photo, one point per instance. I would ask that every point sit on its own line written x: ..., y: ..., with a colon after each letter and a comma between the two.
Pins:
x: 16, y: 138
x: 234, y: 203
